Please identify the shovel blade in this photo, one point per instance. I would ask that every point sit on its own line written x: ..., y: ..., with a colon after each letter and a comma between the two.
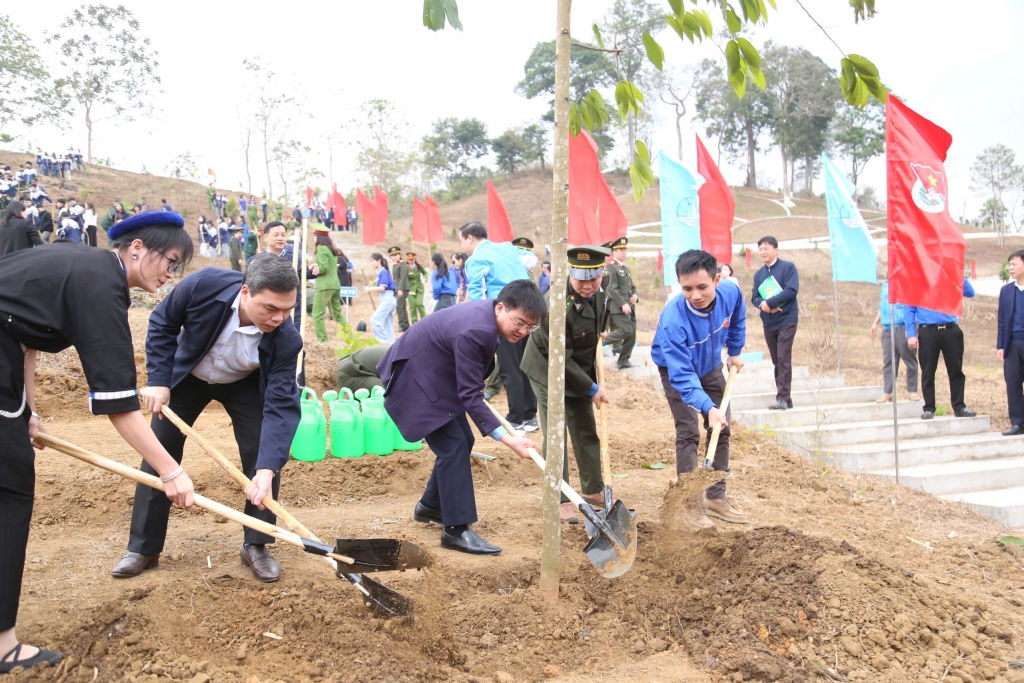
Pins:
x: 380, y: 554
x: 379, y: 598
x: 613, y: 548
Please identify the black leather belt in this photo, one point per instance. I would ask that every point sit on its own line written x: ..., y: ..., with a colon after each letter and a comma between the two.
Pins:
x: 940, y: 327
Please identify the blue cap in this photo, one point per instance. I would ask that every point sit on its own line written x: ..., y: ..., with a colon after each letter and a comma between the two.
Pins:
x: 148, y: 219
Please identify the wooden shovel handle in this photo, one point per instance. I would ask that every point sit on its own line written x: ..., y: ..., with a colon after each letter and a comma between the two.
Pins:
x: 606, y: 465
x: 713, y: 441
x: 576, y: 499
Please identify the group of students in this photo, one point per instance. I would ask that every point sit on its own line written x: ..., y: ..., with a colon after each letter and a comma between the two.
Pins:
x: 60, y: 166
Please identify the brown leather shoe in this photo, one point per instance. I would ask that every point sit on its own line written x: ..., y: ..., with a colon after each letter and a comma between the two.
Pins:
x: 723, y: 509
x: 134, y: 564
x: 264, y: 567
x: 696, y: 517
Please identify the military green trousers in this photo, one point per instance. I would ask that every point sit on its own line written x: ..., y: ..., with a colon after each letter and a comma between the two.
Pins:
x: 582, y: 430
x: 416, y: 310
x: 623, y: 334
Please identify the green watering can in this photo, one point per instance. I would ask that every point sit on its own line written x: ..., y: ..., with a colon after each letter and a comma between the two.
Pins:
x: 378, y: 437
x: 398, y: 441
x: 346, y: 424
x: 310, y: 442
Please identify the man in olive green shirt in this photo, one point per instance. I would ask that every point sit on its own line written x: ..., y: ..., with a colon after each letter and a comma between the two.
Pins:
x: 359, y: 370
x: 235, y: 249
x: 622, y: 298
x: 400, y: 274
x: 416, y: 289
x: 585, y: 319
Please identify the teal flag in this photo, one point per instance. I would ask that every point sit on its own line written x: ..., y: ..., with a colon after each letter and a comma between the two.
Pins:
x: 854, y: 255
x: 680, y: 214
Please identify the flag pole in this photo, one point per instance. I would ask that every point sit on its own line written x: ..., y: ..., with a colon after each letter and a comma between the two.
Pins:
x: 895, y: 413
x: 839, y: 353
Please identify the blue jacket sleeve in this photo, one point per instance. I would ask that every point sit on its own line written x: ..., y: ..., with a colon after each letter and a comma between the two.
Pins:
x: 736, y: 338
x: 280, y: 411
x: 910, y: 320
x: 165, y: 325
x: 1001, y: 318
x: 789, y: 290
x: 476, y: 272
x: 435, y: 284
x: 755, y: 298
x: 968, y: 288
x: 681, y: 373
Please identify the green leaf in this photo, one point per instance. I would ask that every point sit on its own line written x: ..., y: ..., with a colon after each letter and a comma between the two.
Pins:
x: 658, y: 466
x: 433, y: 14
x: 598, y: 110
x: 863, y: 65
x: 677, y: 26
x: 619, y: 476
x: 622, y: 98
x: 677, y: 7
x: 639, y: 183
x: 451, y: 8
x: 732, y: 57
x: 756, y: 77
x: 654, y: 51
x: 739, y: 83
x: 749, y: 52
x: 705, y: 22
x: 859, y: 96
x: 597, y: 35
x: 732, y: 21
x: 764, y: 10
x: 849, y: 75
x: 1005, y: 540
x: 774, y: 6
x: 643, y: 152
x: 876, y: 88
x: 574, y: 119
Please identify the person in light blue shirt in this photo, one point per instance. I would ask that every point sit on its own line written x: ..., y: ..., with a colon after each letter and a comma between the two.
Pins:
x: 932, y: 333
x: 382, y: 322
x: 903, y: 351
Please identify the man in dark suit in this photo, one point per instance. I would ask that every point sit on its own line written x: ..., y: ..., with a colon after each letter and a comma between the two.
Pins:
x: 433, y: 375
x: 219, y: 337
x: 1010, y: 341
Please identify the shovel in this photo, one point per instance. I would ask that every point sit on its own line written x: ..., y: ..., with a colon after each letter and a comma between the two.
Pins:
x: 606, y: 467
x: 369, y: 555
x: 391, y: 604
x: 613, y: 548
x: 698, y: 481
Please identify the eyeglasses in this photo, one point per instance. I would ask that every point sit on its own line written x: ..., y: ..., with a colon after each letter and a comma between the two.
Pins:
x: 520, y: 324
x: 172, y: 264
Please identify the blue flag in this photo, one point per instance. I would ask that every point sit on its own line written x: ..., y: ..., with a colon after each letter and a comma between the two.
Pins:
x: 854, y: 255
x: 680, y: 213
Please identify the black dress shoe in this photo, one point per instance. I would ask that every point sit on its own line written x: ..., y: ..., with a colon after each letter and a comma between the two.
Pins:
x: 779, y: 405
x: 626, y: 365
x: 467, y: 542
x: 1014, y: 430
x: 134, y: 564
x: 928, y: 414
x: 263, y: 565
x: 966, y: 412
x: 426, y: 515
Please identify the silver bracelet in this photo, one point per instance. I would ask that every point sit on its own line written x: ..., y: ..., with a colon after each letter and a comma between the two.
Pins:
x: 172, y: 475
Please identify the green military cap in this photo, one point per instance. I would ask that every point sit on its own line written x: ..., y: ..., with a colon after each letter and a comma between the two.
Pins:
x: 617, y: 244
x: 587, y: 263
x: 523, y: 243
x: 394, y: 250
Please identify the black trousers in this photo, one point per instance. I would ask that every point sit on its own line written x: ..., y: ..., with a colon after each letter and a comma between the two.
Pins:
x: 949, y: 341
x: 17, y: 480
x: 450, y: 487
x: 688, y: 433
x: 243, y: 404
x: 780, y: 346
x: 90, y: 235
x: 522, y: 403
x: 1013, y: 373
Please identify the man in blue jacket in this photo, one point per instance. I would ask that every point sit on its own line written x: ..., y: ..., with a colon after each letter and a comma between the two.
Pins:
x: 217, y: 337
x: 687, y: 349
x: 932, y: 333
x: 1010, y: 341
x: 776, y: 285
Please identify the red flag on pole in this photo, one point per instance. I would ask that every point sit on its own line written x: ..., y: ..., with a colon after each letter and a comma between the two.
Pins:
x: 612, y: 221
x: 435, y: 231
x: 366, y: 210
x: 926, y: 247
x: 499, y: 228
x: 309, y: 196
x: 661, y: 261
x: 340, y: 207
x: 380, y: 201
x: 419, y: 220
x: 585, y: 182
x: 717, y: 208
x: 748, y: 258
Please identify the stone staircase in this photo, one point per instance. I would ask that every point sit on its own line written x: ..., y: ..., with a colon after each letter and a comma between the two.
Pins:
x: 957, y: 459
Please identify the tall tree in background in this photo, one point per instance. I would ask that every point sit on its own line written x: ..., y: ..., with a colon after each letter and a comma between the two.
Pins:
x: 996, y: 172
x: 536, y: 140
x: 738, y: 124
x: 509, y: 151
x: 29, y: 94
x: 383, y: 156
x: 675, y: 89
x: 108, y: 65
x: 859, y: 135
x: 268, y: 114
x: 451, y: 146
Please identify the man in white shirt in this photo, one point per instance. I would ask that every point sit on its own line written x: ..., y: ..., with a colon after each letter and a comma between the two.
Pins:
x: 217, y: 337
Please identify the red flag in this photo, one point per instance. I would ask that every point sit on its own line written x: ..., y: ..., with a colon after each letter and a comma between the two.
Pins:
x: 340, y: 207
x: 367, y: 211
x: 926, y: 247
x: 499, y: 228
x: 380, y: 201
x: 748, y: 258
x: 435, y: 231
x: 419, y: 220
x: 612, y: 220
x: 717, y: 208
x: 585, y: 181
x: 309, y: 196
x: 661, y: 261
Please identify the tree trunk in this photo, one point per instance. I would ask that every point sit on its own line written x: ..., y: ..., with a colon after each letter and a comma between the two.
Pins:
x: 550, y: 558
x: 808, y: 175
x: 88, y: 127
x: 266, y: 163
x: 786, y: 191
x: 679, y: 132
x: 751, y: 151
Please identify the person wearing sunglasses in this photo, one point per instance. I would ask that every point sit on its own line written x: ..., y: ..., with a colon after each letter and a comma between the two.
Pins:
x: 586, y: 317
x: 226, y: 337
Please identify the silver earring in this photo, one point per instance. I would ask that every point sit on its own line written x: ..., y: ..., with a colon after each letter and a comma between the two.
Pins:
x: 135, y: 257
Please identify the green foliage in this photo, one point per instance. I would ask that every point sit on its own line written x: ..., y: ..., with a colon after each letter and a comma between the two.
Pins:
x: 351, y: 341
x: 1010, y: 540
x: 589, y: 70
x: 436, y: 11
x: 451, y: 146
x: 383, y: 154
x: 183, y: 167
x: 232, y: 209
x: 655, y: 53
x: 859, y: 135
x: 22, y: 71
x: 509, y: 151
x: 859, y: 80
x: 995, y: 172
x: 640, y: 172
x: 1004, y: 270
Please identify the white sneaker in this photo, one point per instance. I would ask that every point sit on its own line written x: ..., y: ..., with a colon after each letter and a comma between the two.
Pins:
x: 529, y: 426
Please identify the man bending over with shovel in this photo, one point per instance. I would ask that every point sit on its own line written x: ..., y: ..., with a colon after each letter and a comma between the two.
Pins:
x: 687, y: 349
x: 219, y: 337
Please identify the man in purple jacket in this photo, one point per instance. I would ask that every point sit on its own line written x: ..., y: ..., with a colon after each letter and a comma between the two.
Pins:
x: 433, y: 376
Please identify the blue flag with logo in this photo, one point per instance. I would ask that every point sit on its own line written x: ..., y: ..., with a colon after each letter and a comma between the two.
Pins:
x: 680, y: 214
x: 854, y: 255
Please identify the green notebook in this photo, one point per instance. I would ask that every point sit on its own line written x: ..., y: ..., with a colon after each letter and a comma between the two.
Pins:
x: 769, y: 288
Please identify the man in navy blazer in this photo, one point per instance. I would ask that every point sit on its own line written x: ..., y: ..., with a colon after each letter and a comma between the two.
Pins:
x: 433, y: 376
x: 1010, y: 341
x: 219, y: 337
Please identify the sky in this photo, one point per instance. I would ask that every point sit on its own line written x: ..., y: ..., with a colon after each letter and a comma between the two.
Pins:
x: 950, y: 60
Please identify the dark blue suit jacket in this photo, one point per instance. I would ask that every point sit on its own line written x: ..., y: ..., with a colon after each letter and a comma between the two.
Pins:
x: 1004, y: 330
x: 452, y: 348
x: 187, y: 323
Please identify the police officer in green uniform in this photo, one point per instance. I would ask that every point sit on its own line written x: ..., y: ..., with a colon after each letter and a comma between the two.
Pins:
x: 400, y: 274
x: 585, y: 319
x: 622, y: 298
x: 359, y: 370
x: 416, y: 289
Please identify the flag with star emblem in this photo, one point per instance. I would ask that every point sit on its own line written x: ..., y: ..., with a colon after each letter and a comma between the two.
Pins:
x: 926, y: 246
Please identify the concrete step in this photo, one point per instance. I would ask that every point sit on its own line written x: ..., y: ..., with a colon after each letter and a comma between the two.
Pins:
x: 827, y: 437
x: 960, y: 477
x: 878, y: 455
x: 1006, y: 506
x: 763, y: 385
x: 765, y: 368
x: 811, y: 397
x: 822, y: 415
